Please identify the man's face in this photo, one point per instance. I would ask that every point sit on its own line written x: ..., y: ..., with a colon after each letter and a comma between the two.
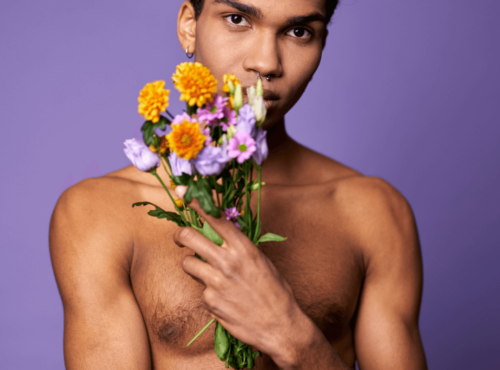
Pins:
x: 281, y: 38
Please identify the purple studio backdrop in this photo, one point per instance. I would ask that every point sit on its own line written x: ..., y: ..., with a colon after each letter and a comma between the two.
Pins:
x: 407, y: 90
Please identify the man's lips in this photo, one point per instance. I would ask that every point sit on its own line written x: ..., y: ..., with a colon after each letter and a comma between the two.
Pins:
x: 270, y: 98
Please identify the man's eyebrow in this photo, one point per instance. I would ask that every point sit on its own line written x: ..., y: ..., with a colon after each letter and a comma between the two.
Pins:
x: 306, y: 19
x: 248, y: 9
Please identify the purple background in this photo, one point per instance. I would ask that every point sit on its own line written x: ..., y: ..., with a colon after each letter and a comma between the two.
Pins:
x: 407, y: 90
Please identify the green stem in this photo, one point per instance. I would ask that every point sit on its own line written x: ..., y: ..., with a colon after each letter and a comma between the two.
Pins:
x: 258, y: 196
x: 201, y: 332
x: 172, y: 199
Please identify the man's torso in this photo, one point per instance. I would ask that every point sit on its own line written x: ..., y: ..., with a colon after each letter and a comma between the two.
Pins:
x: 320, y: 260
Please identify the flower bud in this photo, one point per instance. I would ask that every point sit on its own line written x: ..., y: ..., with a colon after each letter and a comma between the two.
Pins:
x: 238, y: 98
x: 231, y: 131
x: 231, y: 86
x: 259, y: 90
x: 255, y: 185
x: 259, y: 108
x: 222, y: 140
x: 251, y: 94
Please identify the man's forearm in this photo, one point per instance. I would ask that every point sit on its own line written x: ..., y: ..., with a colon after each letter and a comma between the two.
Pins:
x: 305, y: 347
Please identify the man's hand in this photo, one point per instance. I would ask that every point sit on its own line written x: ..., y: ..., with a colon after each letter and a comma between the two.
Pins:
x: 244, y: 291
x: 248, y: 296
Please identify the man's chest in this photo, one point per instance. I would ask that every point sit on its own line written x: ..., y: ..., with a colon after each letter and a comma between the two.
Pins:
x: 321, y: 268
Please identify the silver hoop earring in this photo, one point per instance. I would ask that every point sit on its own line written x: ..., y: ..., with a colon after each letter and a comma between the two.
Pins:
x: 189, y: 55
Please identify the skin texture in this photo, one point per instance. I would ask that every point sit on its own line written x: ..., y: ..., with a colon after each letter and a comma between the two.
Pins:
x: 345, y: 286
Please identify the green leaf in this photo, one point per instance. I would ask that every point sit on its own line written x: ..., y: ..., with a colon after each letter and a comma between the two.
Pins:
x: 148, y: 129
x: 209, y: 233
x: 221, y: 342
x: 258, y: 229
x: 270, y: 237
x: 182, y: 180
x: 201, y: 190
x: 160, y: 213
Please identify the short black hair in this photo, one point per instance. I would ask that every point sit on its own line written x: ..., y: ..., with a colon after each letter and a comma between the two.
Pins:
x: 331, y: 5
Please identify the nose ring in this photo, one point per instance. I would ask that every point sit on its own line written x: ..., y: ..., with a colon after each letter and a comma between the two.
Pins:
x: 268, y: 77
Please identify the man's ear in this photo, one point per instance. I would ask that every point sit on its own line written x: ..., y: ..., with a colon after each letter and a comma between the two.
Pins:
x: 325, y: 35
x: 186, y: 26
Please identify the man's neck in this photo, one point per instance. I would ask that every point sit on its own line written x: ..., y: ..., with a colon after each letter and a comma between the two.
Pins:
x: 283, y: 151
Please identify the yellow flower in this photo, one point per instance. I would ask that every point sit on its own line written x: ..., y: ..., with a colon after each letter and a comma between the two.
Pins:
x: 179, y: 203
x: 186, y: 140
x: 163, y: 144
x: 195, y: 83
x: 172, y: 185
x: 153, y: 99
x: 231, y: 78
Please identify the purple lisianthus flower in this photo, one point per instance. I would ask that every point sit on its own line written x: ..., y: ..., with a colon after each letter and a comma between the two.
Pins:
x: 261, y: 150
x: 246, y: 120
x: 241, y: 146
x: 229, y: 118
x: 232, y: 213
x: 211, y: 160
x: 179, y: 165
x: 140, y: 155
x: 181, y: 117
x: 213, y: 111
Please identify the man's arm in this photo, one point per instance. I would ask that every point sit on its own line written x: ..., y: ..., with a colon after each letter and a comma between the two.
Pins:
x: 91, y: 256
x: 386, y: 333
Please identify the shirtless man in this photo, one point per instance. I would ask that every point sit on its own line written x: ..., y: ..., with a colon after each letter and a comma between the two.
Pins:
x: 345, y: 286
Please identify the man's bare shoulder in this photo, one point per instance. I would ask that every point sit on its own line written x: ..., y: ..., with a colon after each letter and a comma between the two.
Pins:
x: 104, y: 193
x: 377, y: 216
x: 97, y: 210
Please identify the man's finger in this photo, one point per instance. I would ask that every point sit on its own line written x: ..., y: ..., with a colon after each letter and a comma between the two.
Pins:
x: 193, y: 239
x: 197, y: 269
x: 224, y: 228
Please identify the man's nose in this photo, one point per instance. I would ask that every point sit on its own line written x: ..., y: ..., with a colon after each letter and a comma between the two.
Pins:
x: 264, y: 56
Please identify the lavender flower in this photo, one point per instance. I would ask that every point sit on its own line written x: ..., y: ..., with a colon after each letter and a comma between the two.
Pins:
x: 211, y: 160
x: 140, y: 155
x: 214, y: 111
x: 241, y: 146
x: 246, y: 120
x: 262, y: 150
x: 179, y: 165
x: 232, y: 213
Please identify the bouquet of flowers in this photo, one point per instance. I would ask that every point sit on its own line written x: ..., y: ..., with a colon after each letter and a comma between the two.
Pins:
x: 212, y: 148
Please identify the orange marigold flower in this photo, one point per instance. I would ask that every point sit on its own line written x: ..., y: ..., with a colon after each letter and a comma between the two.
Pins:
x: 195, y: 83
x: 231, y: 78
x: 186, y: 139
x: 153, y: 99
x: 179, y: 203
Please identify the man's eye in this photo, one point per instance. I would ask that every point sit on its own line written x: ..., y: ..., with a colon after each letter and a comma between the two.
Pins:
x: 237, y: 19
x: 299, y: 32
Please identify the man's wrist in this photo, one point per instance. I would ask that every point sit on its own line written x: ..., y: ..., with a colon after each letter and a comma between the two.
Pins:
x: 292, y: 344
